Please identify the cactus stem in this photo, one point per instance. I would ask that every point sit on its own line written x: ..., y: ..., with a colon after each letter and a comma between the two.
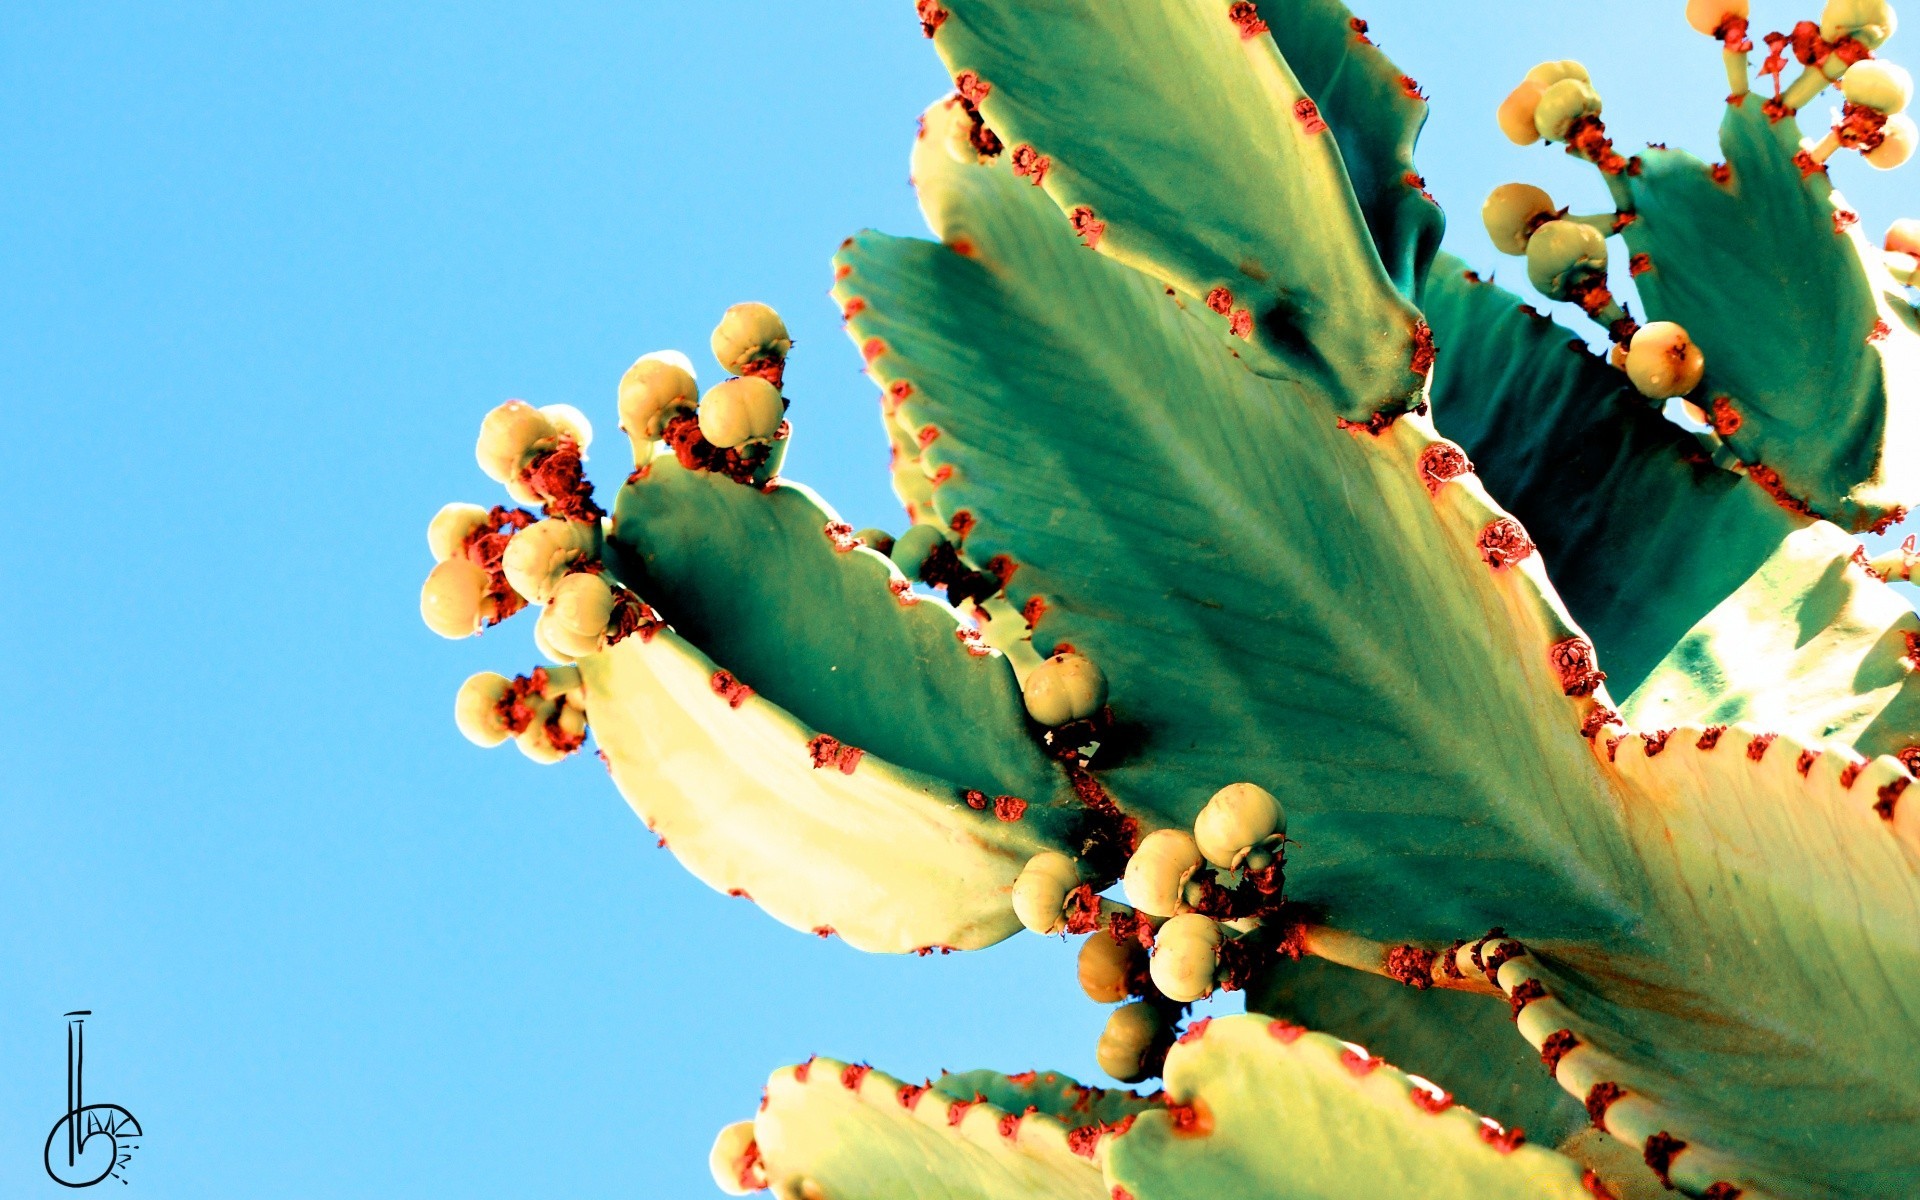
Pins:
x: 1606, y: 223
x: 1824, y: 148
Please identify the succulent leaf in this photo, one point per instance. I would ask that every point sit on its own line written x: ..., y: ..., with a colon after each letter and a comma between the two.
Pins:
x: 889, y: 859
x: 1234, y: 192
x: 859, y: 1134
x: 1461, y: 1040
x: 1259, y: 585
x: 771, y: 584
x: 1310, y: 1117
x: 1805, y: 333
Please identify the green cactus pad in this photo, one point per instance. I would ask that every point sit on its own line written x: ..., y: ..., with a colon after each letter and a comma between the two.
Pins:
x: 1045, y: 1091
x: 1813, y: 644
x: 1375, y: 112
x: 1765, y: 1016
x: 1812, y: 342
x: 1461, y: 1039
x: 1640, y: 541
x: 889, y: 859
x: 858, y: 1134
x: 1234, y: 191
x: 1270, y: 595
x: 772, y: 586
x: 1312, y: 1118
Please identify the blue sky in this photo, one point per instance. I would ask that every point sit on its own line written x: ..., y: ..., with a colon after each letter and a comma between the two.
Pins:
x: 264, y: 268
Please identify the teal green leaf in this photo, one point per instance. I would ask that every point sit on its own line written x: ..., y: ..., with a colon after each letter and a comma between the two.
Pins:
x: 1766, y: 1015
x: 1235, y: 185
x: 889, y: 859
x: 821, y: 627
x: 1376, y: 112
x: 856, y: 1134
x: 1258, y: 1108
x: 1811, y: 341
x: 1641, y: 542
x: 1269, y: 595
x: 1463, y: 1040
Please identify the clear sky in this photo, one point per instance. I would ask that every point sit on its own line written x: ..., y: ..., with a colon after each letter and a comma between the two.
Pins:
x: 262, y: 268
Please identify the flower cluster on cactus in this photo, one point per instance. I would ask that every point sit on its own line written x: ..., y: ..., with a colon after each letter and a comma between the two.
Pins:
x: 1401, y: 662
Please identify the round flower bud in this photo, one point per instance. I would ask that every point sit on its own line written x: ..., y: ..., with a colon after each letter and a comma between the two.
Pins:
x: 1869, y: 22
x: 536, y: 740
x: 543, y: 634
x: 1239, y: 818
x: 1562, y: 253
x: 1897, y: 139
x: 750, y: 335
x: 570, y: 423
x: 582, y: 605
x: 453, y: 601
x: 1547, y: 74
x: 1877, y: 84
x: 1511, y: 212
x: 1561, y: 105
x: 1040, y: 893
x: 476, y: 709
x: 655, y: 389
x: 1186, y: 953
x: 1663, y: 362
x: 912, y: 548
x: 1516, y: 113
x: 1156, y: 877
x: 1106, y: 966
x: 450, y: 528
x: 1903, y: 236
x: 1707, y: 16
x: 876, y: 539
x: 509, y: 436
x: 541, y: 555
x: 742, y: 410
x: 1134, y: 1031
x: 735, y: 1161
x: 1066, y: 687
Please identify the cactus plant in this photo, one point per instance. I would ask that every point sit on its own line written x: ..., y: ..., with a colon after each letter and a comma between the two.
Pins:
x: 1432, y: 686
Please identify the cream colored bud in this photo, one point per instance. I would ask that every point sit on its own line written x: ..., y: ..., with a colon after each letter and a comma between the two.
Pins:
x: 571, y: 424
x: 1516, y: 113
x: 541, y: 555
x: 1547, y: 74
x: 1869, y: 22
x: 509, y: 436
x: 543, y: 630
x: 1903, y: 236
x: 1126, y: 1048
x: 1877, y: 84
x: 655, y: 389
x: 1156, y: 876
x: 1561, y: 254
x: 453, y: 601
x: 1066, y: 687
x: 1040, y: 893
x: 536, y: 740
x: 1663, y: 362
x: 750, y: 335
x: 1512, y: 212
x: 742, y: 410
x: 1561, y: 105
x: 450, y: 528
x: 1238, y: 818
x: 1897, y: 139
x: 582, y: 605
x: 476, y: 709
x: 735, y: 1161
x: 1186, y: 955
x: 1707, y: 16
x: 1106, y: 966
